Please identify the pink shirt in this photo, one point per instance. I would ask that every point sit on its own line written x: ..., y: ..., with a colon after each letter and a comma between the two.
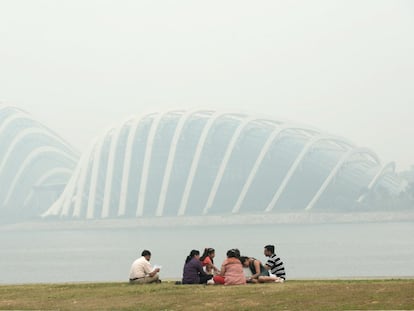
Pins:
x: 233, y: 273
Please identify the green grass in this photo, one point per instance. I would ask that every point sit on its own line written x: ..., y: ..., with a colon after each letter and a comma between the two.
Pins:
x: 292, y: 295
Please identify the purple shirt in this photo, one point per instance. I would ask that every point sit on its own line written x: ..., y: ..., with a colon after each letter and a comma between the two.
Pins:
x: 192, y: 271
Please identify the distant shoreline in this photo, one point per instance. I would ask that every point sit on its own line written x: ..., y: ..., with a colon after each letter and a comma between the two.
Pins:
x: 219, y: 220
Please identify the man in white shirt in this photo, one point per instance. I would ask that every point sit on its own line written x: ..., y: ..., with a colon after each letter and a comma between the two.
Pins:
x: 142, y: 272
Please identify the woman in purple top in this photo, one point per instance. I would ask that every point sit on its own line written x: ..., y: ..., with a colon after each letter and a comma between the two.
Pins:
x: 193, y: 272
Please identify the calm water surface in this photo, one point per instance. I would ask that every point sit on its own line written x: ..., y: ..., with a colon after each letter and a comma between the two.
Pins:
x: 309, y: 251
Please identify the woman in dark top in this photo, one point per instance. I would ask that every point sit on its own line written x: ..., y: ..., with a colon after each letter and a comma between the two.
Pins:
x: 193, y: 272
x: 259, y: 272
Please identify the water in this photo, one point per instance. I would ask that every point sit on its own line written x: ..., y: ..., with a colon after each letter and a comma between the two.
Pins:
x: 309, y: 251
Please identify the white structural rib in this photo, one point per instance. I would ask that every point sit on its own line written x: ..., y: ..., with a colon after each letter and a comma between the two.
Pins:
x: 273, y: 137
x: 96, y: 163
x: 57, y: 206
x: 196, y: 159
x: 63, y: 204
x: 33, y: 155
x: 10, y: 119
x: 18, y: 139
x: 80, y: 185
x: 110, y: 170
x: 18, y: 116
x: 170, y: 162
x: 171, y: 157
x: 224, y: 162
x: 306, y: 148
x: 127, y: 164
x: 335, y: 170
x: 146, y: 164
x: 48, y: 174
x: 389, y: 167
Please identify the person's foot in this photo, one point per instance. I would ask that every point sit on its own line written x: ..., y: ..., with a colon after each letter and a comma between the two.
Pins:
x: 279, y: 280
x: 159, y: 281
x: 210, y: 282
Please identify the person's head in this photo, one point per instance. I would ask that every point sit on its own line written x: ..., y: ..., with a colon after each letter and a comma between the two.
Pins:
x: 147, y: 254
x: 193, y: 254
x: 211, y: 252
x: 244, y: 260
x: 269, y: 250
x: 233, y: 253
x: 208, y: 251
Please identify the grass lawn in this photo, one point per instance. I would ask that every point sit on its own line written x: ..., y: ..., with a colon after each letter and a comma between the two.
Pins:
x: 292, y: 295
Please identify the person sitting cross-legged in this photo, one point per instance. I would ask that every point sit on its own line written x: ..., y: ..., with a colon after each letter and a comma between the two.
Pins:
x: 193, y: 272
x: 207, y: 260
x: 274, y: 264
x: 231, y: 272
x: 142, y: 272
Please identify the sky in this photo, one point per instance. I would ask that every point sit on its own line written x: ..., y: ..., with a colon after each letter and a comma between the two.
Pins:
x: 345, y: 67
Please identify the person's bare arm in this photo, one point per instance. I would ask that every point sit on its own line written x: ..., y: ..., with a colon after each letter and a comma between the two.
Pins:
x: 215, y: 269
x: 154, y: 272
x: 257, y: 269
x: 223, y: 270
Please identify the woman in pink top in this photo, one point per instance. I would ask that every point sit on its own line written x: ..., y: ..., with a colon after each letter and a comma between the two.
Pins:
x: 231, y: 270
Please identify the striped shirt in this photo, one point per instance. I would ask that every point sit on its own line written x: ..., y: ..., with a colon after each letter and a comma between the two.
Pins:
x: 276, y: 266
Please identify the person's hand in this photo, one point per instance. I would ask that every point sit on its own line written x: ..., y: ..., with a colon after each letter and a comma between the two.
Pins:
x: 157, y: 270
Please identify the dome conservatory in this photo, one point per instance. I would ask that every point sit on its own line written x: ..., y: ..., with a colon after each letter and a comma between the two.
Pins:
x: 35, y: 165
x: 193, y: 163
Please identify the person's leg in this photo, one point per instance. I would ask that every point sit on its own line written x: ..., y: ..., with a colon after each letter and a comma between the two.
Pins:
x: 218, y: 279
x: 266, y: 279
x: 205, y: 278
x: 148, y: 279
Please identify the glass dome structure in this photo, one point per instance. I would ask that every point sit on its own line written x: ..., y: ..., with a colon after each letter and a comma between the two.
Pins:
x: 203, y: 162
x: 35, y: 165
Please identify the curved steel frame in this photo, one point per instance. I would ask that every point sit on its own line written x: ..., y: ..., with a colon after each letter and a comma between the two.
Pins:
x: 335, y: 170
x: 90, y: 164
x: 385, y: 169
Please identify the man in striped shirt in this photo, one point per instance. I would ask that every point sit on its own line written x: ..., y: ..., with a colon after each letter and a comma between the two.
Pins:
x: 274, y: 264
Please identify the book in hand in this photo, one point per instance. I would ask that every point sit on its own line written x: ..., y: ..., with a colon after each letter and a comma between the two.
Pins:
x: 156, y: 266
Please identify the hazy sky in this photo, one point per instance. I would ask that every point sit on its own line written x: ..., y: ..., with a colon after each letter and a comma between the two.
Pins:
x: 346, y: 67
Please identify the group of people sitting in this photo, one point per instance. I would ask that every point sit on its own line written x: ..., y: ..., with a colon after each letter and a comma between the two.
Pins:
x: 201, y: 269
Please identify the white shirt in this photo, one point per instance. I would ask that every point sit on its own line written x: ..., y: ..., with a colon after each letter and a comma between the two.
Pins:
x: 140, y: 268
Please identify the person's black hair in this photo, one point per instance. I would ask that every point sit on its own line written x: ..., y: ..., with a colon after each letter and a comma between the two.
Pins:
x: 207, y: 252
x: 243, y: 259
x: 193, y: 253
x: 146, y: 252
x: 234, y: 252
x: 270, y: 248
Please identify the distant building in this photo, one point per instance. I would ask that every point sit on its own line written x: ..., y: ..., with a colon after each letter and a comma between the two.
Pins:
x: 35, y: 165
x: 193, y: 163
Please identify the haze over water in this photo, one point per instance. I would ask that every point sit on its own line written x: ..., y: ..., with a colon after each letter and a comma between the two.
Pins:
x: 345, y: 67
